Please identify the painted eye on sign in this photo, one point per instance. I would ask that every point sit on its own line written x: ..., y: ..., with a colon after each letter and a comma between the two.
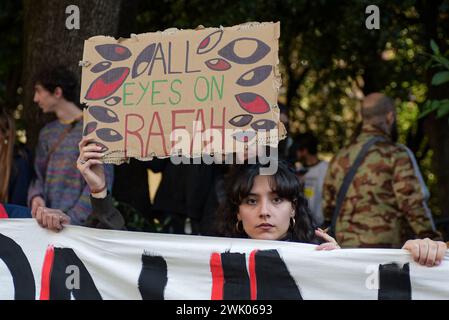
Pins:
x: 210, y: 42
x: 113, y: 52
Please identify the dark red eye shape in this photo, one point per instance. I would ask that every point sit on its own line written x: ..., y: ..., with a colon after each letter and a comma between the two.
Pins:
x: 210, y: 42
x: 263, y: 124
x: 113, y: 52
x: 102, y: 66
x: 113, y: 101
x: 107, y: 84
x: 241, y: 120
x: 90, y: 127
x: 109, y: 135
x: 218, y: 64
x: 228, y: 52
x: 103, y: 114
x: 252, y: 103
x: 144, y: 58
x: 245, y: 136
x: 255, y: 76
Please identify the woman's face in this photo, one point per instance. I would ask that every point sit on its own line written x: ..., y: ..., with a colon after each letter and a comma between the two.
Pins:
x: 264, y: 214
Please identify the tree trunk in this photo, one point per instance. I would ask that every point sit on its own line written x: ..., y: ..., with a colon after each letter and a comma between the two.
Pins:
x: 47, y: 43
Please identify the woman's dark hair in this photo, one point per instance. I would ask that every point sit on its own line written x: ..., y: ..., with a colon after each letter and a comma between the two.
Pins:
x: 60, y: 77
x: 287, y: 186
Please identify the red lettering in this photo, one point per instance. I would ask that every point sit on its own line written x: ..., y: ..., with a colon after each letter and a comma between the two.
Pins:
x: 222, y: 127
x: 174, y: 126
x: 200, y: 113
x: 133, y: 133
x: 158, y: 133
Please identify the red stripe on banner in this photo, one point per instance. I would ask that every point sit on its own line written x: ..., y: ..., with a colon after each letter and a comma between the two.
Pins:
x: 216, y: 269
x: 252, y: 275
x: 3, y: 213
x: 46, y: 273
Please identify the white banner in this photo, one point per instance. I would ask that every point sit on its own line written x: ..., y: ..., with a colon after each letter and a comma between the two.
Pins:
x: 82, y: 263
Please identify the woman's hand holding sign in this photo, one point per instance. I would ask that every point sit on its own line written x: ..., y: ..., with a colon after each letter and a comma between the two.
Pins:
x: 92, y: 168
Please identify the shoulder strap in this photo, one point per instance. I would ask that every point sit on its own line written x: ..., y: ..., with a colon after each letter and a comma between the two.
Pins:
x: 61, y: 138
x: 348, y: 179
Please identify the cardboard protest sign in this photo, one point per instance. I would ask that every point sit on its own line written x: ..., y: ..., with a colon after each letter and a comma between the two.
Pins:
x: 82, y: 263
x: 188, y: 92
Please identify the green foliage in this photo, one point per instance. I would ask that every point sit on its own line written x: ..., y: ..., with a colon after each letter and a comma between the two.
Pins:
x: 440, y: 78
x: 441, y: 107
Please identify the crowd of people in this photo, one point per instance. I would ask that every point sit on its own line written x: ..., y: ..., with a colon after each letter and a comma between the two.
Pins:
x: 370, y: 195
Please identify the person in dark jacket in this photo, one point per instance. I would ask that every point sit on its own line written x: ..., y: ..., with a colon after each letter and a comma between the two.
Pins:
x: 185, y: 192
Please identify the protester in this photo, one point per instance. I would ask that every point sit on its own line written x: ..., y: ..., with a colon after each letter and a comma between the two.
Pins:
x: 256, y: 207
x: 386, y: 197
x: 269, y: 208
x: 58, y: 183
x: 273, y: 208
x: 311, y: 172
x: 15, y: 164
x: 136, y: 194
x: 185, y: 192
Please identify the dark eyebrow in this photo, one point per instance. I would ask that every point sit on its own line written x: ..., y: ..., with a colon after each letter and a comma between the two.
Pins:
x: 256, y: 195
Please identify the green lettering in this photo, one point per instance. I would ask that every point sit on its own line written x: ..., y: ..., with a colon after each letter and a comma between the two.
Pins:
x: 154, y: 92
x: 176, y: 92
x: 126, y: 94
x: 145, y: 90
x: 196, y: 90
x: 219, y: 90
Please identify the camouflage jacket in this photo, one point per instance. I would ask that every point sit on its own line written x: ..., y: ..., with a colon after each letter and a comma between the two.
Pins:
x: 386, y: 201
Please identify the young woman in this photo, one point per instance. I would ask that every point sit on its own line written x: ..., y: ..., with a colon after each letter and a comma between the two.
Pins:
x: 274, y: 208
x: 269, y: 208
x: 257, y: 207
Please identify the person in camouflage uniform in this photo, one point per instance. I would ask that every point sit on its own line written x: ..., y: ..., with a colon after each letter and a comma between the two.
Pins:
x: 386, y: 200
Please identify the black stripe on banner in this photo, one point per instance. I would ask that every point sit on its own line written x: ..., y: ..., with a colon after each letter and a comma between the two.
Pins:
x: 61, y: 285
x: 394, y: 282
x: 274, y: 285
x: 153, y: 277
x: 236, y: 280
x: 16, y: 261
